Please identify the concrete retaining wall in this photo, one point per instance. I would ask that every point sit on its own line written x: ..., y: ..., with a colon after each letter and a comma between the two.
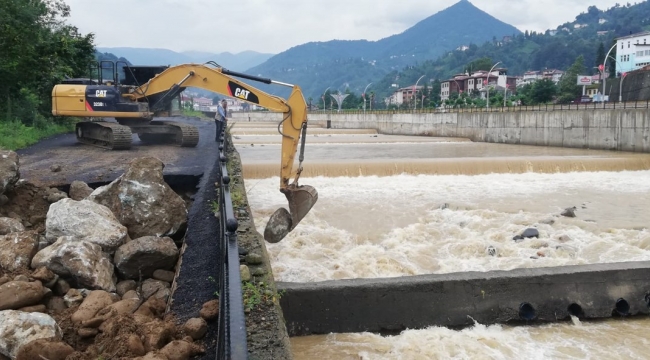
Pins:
x: 393, y: 304
x: 620, y: 129
x: 608, y: 129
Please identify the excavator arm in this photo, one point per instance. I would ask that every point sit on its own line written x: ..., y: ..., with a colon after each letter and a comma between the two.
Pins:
x: 293, y: 128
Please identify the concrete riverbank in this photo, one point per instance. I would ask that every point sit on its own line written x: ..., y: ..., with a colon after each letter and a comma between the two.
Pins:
x: 606, y: 129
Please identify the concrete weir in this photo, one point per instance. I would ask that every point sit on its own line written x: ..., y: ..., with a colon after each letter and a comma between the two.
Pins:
x: 459, y: 299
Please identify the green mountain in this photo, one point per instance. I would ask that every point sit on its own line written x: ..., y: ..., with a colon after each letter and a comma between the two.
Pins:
x: 590, y: 35
x: 145, y: 56
x: 338, y: 64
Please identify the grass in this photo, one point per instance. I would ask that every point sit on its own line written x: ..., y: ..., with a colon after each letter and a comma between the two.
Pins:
x: 214, y: 281
x: 237, y: 198
x: 252, y: 295
x: 256, y: 294
x: 193, y: 113
x: 214, y: 206
x: 15, y: 135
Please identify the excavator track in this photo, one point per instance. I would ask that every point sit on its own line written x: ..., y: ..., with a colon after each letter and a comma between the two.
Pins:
x: 106, y: 135
x: 180, y: 134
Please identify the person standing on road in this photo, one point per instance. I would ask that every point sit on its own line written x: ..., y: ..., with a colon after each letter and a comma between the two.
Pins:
x: 220, y: 117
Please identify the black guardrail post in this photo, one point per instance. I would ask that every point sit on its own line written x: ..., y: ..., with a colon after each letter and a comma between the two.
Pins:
x: 231, y: 342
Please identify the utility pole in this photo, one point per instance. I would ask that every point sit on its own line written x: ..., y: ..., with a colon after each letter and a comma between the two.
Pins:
x: 415, y: 90
x: 325, y: 92
x: 605, y: 68
x: 488, y: 83
x: 620, y: 91
x: 364, y: 98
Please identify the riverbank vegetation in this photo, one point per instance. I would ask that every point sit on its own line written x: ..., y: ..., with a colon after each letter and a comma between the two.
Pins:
x: 38, y: 49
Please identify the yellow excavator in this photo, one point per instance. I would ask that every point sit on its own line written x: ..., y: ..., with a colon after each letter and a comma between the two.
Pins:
x: 134, y: 106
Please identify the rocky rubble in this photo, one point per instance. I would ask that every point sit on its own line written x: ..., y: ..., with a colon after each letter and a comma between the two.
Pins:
x: 73, y: 283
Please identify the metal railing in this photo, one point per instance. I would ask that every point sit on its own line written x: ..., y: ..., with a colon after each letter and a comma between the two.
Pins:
x: 231, y: 342
x: 472, y: 109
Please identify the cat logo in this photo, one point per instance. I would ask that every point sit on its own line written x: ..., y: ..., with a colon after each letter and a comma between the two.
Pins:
x: 100, y: 93
x: 241, y: 93
x: 237, y: 91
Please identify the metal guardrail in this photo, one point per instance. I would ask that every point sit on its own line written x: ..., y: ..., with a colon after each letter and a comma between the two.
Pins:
x: 231, y: 342
x: 541, y: 107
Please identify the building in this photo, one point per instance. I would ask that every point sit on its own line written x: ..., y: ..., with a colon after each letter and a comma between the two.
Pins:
x: 530, y: 77
x: 633, y: 52
x: 477, y: 82
x: 199, y: 103
x: 403, y: 95
x: 552, y: 74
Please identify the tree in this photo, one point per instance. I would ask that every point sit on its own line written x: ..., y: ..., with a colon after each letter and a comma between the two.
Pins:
x: 568, y: 88
x: 484, y: 63
x: 543, y: 91
x: 37, y: 50
x: 600, y: 54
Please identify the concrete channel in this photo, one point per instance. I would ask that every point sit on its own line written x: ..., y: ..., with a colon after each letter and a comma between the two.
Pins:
x: 457, y: 300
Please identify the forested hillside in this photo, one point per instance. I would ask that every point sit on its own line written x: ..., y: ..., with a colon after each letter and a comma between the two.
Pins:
x: 589, y: 36
x: 340, y: 64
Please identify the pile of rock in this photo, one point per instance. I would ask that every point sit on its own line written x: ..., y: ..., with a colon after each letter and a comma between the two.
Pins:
x: 102, y: 264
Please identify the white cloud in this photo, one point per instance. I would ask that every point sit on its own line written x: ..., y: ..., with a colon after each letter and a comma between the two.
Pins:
x: 275, y: 26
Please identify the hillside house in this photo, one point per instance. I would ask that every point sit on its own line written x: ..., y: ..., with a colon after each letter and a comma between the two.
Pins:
x: 477, y: 82
x: 403, y: 95
x: 553, y: 74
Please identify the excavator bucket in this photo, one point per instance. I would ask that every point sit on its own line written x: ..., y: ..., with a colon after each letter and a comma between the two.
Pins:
x: 301, y: 199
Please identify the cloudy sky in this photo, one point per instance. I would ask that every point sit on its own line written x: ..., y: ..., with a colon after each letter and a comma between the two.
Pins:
x: 272, y: 26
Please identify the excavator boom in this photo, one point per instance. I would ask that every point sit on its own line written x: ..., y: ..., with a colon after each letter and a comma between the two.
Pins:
x: 301, y: 198
x: 135, y: 106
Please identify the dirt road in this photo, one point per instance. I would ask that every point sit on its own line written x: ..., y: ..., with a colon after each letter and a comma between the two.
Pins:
x: 95, y: 165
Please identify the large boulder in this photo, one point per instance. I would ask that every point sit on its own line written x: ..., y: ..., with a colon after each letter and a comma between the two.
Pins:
x: 95, y: 301
x: 18, y: 328
x: 17, y: 250
x: 17, y: 294
x: 9, y: 170
x: 9, y: 225
x: 80, y: 260
x: 144, y: 256
x: 79, y: 190
x: 85, y: 221
x: 142, y: 201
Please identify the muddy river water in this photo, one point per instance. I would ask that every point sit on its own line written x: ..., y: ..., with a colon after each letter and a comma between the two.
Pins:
x: 398, y: 205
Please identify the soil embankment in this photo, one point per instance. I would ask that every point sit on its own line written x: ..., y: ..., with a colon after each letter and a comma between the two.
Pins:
x: 150, y: 286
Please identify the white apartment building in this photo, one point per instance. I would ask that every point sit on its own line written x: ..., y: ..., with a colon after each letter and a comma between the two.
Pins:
x: 632, y: 52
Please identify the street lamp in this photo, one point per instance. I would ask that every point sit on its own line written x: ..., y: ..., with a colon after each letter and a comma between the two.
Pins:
x: 488, y: 83
x: 364, y: 97
x: 620, y: 91
x: 325, y: 92
x: 415, y: 89
x: 604, y: 68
